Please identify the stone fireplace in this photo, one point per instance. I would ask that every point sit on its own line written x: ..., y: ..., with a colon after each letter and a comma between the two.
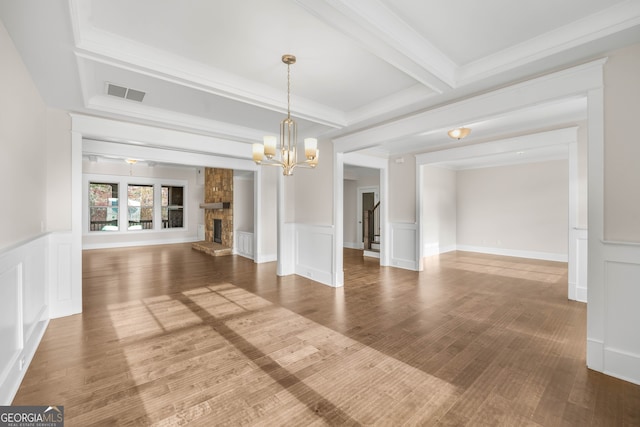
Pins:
x: 218, y: 212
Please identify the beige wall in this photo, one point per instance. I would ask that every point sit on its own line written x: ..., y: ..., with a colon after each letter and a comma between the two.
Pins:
x: 402, y: 190
x: 58, y: 170
x: 350, y: 212
x: 268, y: 208
x: 520, y: 207
x: 313, y: 189
x: 583, y: 186
x: 622, y: 146
x: 23, y: 148
x: 439, y: 209
x: 243, y: 203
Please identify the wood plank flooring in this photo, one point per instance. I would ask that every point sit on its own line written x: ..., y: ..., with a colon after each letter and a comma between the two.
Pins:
x: 171, y: 336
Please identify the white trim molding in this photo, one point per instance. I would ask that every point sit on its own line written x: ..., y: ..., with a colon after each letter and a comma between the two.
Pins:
x: 403, y: 242
x: 547, y: 256
x: 36, y: 284
x: 618, y: 352
x: 314, y: 252
x: 578, y: 250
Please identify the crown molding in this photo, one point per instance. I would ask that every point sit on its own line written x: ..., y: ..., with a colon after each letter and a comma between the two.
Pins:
x: 135, y: 134
x: 107, y: 104
x: 164, y: 156
x: 99, y: 46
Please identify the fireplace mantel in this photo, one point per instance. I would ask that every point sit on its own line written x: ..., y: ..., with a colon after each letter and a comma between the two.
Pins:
x: 218, y: 205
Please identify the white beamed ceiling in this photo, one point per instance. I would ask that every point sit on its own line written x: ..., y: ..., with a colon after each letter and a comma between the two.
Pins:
x: 213, y: 66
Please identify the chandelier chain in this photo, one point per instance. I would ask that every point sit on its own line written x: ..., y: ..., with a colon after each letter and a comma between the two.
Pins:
x: 288, y: 91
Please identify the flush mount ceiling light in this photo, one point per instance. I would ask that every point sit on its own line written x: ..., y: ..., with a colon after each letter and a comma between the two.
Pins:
x: 131, y: 161
x: 459, y: 133
x: 287, y: 158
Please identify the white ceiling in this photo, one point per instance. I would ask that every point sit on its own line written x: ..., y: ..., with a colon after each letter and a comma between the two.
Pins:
x: 214, y: 66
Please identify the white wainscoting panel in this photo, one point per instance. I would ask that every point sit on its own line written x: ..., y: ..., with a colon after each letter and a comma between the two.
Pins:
x: 64, y: 300
x: 286, y: 250
x: 24, y: 310
x: 314, y: 252
x: 621, y: 348
x: 244, y: 244
x: 404, y: 238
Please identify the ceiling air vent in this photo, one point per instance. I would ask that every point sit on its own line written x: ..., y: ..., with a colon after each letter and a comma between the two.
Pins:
x: 123, y: 92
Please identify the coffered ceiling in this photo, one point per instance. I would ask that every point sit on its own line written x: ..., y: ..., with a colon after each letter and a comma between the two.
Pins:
x: 214, y: 66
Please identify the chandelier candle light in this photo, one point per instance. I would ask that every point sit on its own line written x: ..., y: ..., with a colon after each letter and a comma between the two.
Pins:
x: 288, y: 158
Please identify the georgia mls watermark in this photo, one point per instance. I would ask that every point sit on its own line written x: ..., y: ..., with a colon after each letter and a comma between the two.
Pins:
x: 31, y: 416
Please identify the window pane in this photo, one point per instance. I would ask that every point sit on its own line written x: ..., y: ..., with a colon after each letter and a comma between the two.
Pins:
x: 140, y: 207
x: 172, y: 209
x: 103, y: 207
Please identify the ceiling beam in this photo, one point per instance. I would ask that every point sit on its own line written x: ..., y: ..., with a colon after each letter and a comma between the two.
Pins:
x: 560, y: 85
x: 388, y: 37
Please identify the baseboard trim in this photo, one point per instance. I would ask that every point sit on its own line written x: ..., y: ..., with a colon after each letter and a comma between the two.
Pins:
x: 595, y: 354
x: 111, y: 245
x: 546, y: 256
x: 12, y: 382
x: 581, y: 294
x: 431, y: 249
x: 622, y: 364
x: 371, y: 254
x: 265, y: 258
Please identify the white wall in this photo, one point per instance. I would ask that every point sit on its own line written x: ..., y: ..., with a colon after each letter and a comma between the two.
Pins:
x: 58, y: 170
x: 439, y: 210
x: 350, y: 215
x: 520, y: 208
x: 23, y: 144
x: 193, y: 197
x: 313, y: 190
x: 583, y: 185
x: 268, y: 186
x: 243, y: 202
x: 613, y: 342
x: 402, y: 197
x: 622, y: 150
x: 26, y: 262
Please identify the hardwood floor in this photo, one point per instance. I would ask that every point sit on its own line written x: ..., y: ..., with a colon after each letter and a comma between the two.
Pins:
x: 171, y: 336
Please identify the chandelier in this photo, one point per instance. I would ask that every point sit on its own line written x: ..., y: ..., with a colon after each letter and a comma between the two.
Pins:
x: 287, y: 157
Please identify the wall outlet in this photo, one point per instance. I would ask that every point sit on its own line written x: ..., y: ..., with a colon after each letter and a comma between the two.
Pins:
x: 22, y: 363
